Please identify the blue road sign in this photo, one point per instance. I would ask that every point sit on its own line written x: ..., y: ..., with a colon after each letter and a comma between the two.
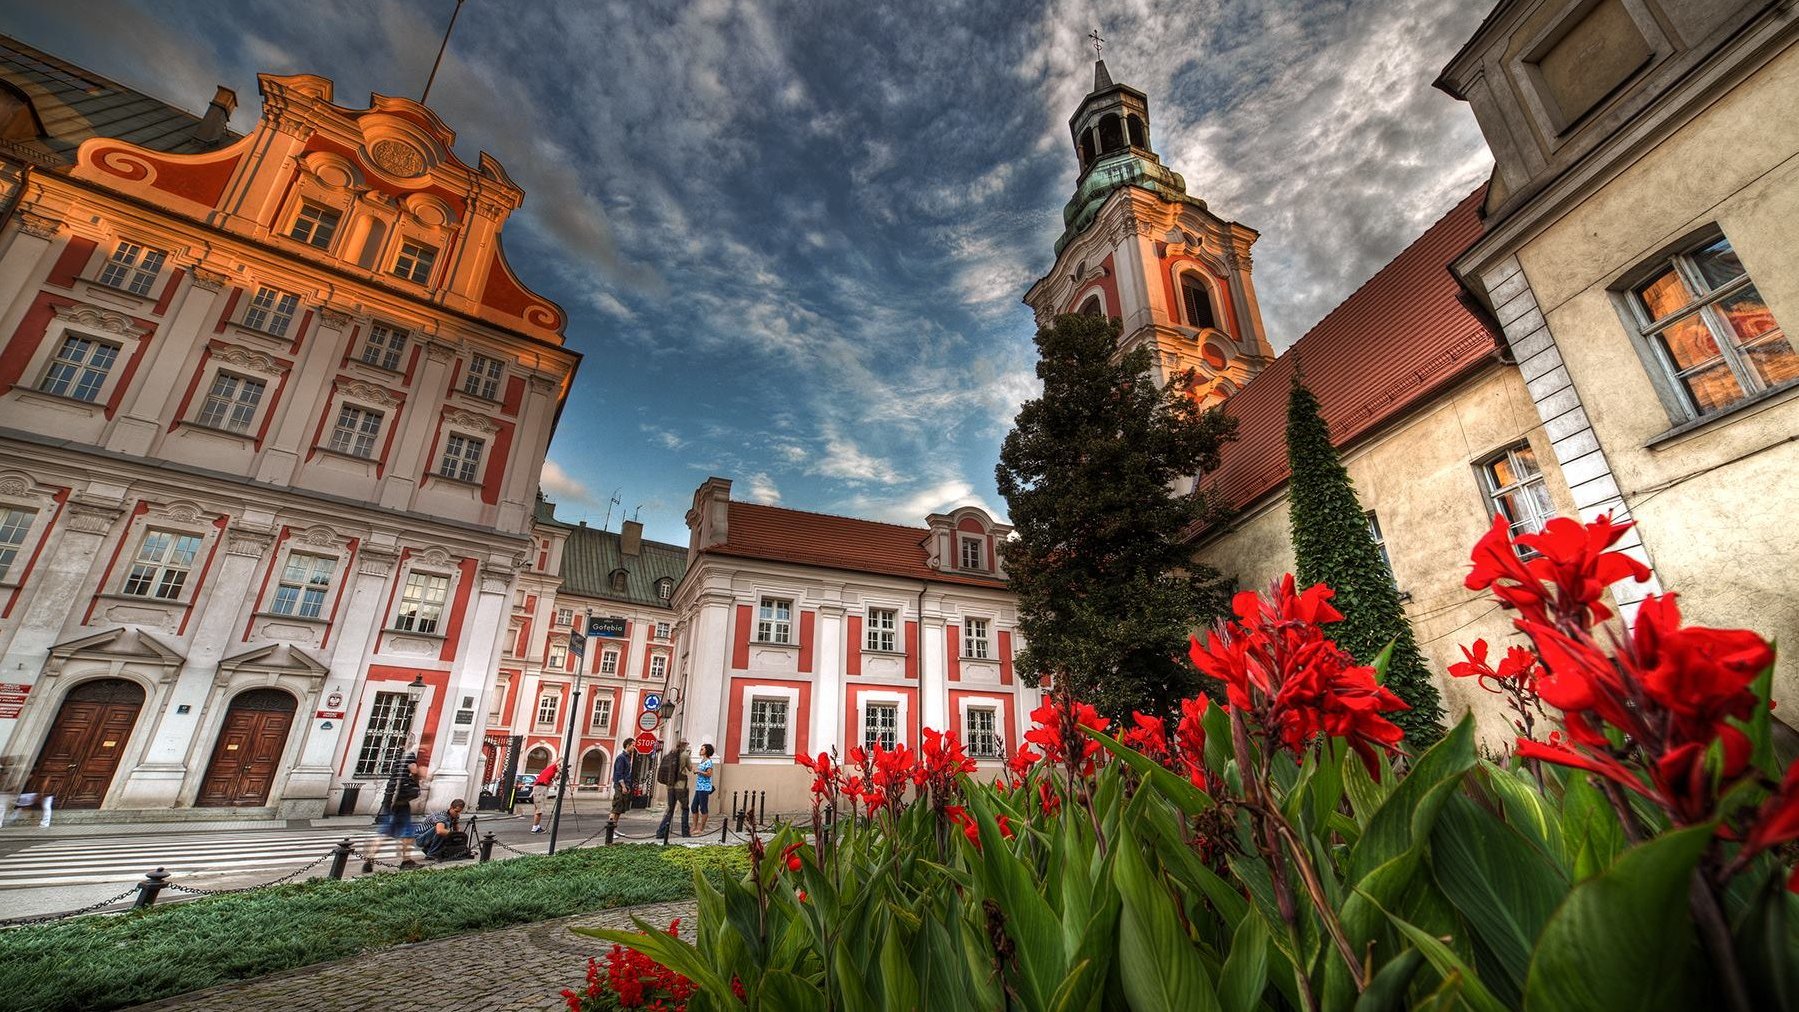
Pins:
x: 577, y: 643
x: 652, y: 701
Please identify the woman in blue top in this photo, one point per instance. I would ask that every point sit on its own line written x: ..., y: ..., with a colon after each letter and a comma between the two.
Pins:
x: 702, y: 790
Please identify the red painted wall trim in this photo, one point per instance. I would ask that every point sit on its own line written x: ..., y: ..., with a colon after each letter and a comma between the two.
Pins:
x: 740, y: 639
x: 168, y: 291
x: 1007, y: 719
x: 69, y: 263
x: 438, y: 680
x: 852, y: 656
x: 911, y: 649
x: 355, y: 545
x: 952, y: 639
x: 262, y: 588
x: 60, y: 498
x: 515, y: 395
x: 800, y: 723
x: 459, y: 613
x: 27, y: 337
x: 1005, y: 657
x: 193, y: 385
x: 139, y: 510
x: 212, y: 553
x: 230, y: 304
x: 852, y: 709
x: 808, y: 626
x: 393, y: 592
x: 493, y: 473
x: 131, y: 366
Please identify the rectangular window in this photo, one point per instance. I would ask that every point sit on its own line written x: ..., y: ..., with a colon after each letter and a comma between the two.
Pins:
x: 133, y: 268
x: 983, y: 735
x: 462, y: 458
x: 384, y: 347
x: 602, y: 716
x: 609, y: 662
x: 483, y: 378
x: 271, y: 311
x: 1515, y: 489
x: 422, y: 602
x: 414, y: 262
x: 80, y: 368
x: 880, y: 725
x: 974, y: 638
x: 355, y: 431
x: 774, y: 621
x: 1380, y: 541
x: 558, y: 656
x: 547, y: 705
x: 565, y: 616
x: 1710, y: 329
x: 231, y: 403
x: 305, y: 581
x: 384, y: 741
x: 768, y: 726
x: 14, y: 525
x: 973, y: 557
x: 662, y: 630
x: 499, y: 699
x: 315, y: 225
x: 658, y: 666
x: 162, y: 564
x: 883, y: 624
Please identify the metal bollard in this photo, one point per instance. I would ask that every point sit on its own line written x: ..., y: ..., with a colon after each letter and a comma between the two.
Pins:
x: 737, y: 810
x: 340, y: 856
x: 487, y: 847
x: 149, y: 887
x: 761, y: 808
x: 724, y: 827
x: 611, y: 827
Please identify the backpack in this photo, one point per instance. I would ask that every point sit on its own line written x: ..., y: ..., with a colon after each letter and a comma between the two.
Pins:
x: 407, y: 786
x: 669, y: 769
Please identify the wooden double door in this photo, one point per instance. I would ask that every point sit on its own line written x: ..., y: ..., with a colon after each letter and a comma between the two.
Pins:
x: 247, y: 755
x: 83, y: 750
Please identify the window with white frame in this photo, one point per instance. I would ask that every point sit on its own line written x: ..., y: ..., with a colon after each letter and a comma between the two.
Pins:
x: 609, y: 662
x: 883, y: 629
x: 662, y: 630
x: 384, y: 739
x: 461, y: 457
x: 305, y: 583
x: 880, y: 725
x: 271, y: 311
x: 973, y: 556
x: 1709, y: 328
x: 1380, y: 541
x: 231, y: 402
x: 415, y: 261
x: 665, y: 588
x: 1515, y: 489
x: 602, y: 715
x: 974, y: 638
x: 774, y: 621
x: 315, y: 225
x: 768, y: 727
x: 565, y: 616
x: 355, y: 431
x: 499, y: 699
x: 384, y: 347
x: 15, y: 524
x: 133, y: 268
x: 482, y: 378
x: 162, y: 563
x: 422, y: 602
x: 558, y: 657
x: 982, y: 733
x: 80, y: 368
x: 548, y: 702
x: 658, y: 666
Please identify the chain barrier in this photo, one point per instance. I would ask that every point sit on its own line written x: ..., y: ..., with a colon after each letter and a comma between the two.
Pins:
x: 197, y: 891
x: 503, y: 845
x: 19, y: 922
x: 372, y: 859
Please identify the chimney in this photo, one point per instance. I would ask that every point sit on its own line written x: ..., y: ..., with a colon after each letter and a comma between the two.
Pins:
x: 630, y: 539
x: 212, y: 125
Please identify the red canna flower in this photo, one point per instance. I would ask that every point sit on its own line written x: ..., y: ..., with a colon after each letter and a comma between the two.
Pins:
x: 1047, y: 798
x: 1057, y: 725
x: 1005, y: 827
x: 789, y: 854
x: 1563, y: 583
x: 1149, y: 736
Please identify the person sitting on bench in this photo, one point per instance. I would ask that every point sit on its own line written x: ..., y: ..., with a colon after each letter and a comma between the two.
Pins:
x: 442, y: 838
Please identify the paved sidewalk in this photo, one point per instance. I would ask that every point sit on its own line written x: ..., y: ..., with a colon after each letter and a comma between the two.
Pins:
x: 515, y: 969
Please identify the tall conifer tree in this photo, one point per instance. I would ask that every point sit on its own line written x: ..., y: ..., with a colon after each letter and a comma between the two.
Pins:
x: 1107, y: 589
x: 1333, y: 545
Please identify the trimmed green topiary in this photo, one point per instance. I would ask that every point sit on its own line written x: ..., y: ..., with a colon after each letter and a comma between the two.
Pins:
x: 1333, y: 545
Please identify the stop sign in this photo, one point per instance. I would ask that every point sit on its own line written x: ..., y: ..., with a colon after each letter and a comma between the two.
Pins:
x: 646, y: 743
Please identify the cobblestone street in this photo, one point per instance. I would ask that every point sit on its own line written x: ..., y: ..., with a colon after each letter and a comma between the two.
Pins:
x: 515, y: 969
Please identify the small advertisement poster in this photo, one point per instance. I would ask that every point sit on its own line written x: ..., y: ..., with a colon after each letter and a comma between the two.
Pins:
x: 12, y: 699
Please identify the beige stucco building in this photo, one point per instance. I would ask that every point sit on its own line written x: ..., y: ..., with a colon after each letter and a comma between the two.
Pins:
x: 1639, y: 253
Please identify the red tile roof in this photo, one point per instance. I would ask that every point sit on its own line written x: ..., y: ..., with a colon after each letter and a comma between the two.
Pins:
x: 1396, y: 340
x: 820, y: 539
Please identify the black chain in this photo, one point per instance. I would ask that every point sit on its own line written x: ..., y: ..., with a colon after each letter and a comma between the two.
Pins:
x: 197, y: 891
x: 15, y: 922
x: 503, y: 845
x: 372, y: 859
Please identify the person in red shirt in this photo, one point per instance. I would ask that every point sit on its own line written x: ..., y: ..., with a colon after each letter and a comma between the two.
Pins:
x: 540, y: 793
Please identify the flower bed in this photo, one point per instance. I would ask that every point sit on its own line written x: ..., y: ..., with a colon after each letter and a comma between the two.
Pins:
x: 1278, y: 852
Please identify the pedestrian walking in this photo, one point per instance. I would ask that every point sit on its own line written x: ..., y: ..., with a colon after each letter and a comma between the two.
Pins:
x: 405, y: 783
x: 540, y: 793
x: 702, y: 790
x: 28, y: 801
x: 673, y: 772
x: 621, y: 782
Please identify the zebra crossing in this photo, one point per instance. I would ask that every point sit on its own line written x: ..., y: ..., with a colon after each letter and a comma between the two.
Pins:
x: 78, y: 861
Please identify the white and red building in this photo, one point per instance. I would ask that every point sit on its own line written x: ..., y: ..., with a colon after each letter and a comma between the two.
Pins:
x: 272, y: 413
x: 800, y: 633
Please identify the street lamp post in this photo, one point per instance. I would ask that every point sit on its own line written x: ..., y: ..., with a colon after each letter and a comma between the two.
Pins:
x: 415, y: 691
x: 577, y: 645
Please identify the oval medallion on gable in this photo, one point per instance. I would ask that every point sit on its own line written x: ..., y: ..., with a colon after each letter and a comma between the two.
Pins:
x: 398, y: 158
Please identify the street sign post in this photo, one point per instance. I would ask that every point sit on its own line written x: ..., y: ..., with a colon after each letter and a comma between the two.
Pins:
x: 614, y: 627
x: 646, y: 743
x: 577, y: 643
x: 652, y: 701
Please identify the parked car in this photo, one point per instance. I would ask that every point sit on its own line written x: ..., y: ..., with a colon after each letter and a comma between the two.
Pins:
x: 522, y: 787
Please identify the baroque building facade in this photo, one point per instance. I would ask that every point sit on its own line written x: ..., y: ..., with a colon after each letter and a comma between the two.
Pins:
x: 272, y: 413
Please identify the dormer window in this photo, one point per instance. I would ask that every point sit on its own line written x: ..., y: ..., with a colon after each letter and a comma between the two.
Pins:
x: 973, y: 552
x: 133, y: 268
x: 620, y: 579
x: 415, y: 262
x: 665, y: 588
x: 315, y: 225
x: 1198, y: 303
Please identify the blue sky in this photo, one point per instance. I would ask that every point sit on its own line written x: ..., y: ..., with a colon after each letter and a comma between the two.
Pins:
x: 792, y: 237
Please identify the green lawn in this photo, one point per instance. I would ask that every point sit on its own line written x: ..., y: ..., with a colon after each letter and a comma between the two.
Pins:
x: 92, y: 963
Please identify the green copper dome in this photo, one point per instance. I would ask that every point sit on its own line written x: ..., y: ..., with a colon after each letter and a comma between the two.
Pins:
x: 1131, y: 167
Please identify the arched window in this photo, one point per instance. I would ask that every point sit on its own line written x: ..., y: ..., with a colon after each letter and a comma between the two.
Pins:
x: 1086, y: 150
x: 665, y: 588
x: 18, y: 121
x: 1198, y: 302
x: 1111, y: 134
x: 620, y: 580
x: 1092, y: 307
x: 1139, y: 133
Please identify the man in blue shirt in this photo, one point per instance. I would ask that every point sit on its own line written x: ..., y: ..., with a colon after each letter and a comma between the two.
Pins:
x: 621, y: 782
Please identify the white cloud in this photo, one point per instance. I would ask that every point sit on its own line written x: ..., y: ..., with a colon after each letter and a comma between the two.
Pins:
x: 763, y: 490
x: 911, y: 508
x: 559, y: 485
x: 842, y: 458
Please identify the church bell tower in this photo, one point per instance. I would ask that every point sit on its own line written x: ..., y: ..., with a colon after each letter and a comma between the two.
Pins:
x: 1136, y: 247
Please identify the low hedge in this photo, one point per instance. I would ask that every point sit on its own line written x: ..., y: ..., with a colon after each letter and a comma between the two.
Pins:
x: 101, y: 962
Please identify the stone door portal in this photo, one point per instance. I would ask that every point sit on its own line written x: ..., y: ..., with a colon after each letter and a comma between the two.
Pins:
x: 249, y: 749
x: 82, y: 752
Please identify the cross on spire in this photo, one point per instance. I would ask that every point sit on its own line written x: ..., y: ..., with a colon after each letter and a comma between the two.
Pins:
x: 1094, y: 37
